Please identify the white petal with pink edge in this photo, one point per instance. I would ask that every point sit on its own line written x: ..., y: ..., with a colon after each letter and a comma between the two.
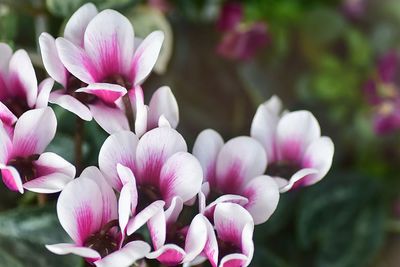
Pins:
x: 5, y: 145
x: 295, y: 131
x: 71, y: 104
x: 119, y: 148
x: 111, y: 119
x: 169, y: 254
x: 109, y: 41
x: 22, y: 77
x: 211, y: 246
x: 75, y: 28
x: 80, y: 209
x: 263, y: 195
x: 65, y: 248
x: 6, y: 116
x: 319, y: 155
x: 76, y: 61
x: 110, y: 211
x: 239, y: 160
x: 181, y: 175
x: 53, y: 174
x: 44, y: 93
x: 210, y: 208
x: 163, y: 103
x: 11, y: 178
x: 143, y: 216
x: 206, y: 148
x: 51, y: 60
x: 107, y: 92
x: 173, y: 211
x: 301, y: 174
x: 146, y: 56
x: 34, y: 130
x: 234, y: 260
x: 196, y: 238
x: 157, y: 226
x: 153, y: 150
x: 125, y: 256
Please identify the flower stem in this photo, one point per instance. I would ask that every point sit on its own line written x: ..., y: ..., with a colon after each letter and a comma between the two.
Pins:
x: 78, y: 144
x: 128, y: 111
x: 42, y: 199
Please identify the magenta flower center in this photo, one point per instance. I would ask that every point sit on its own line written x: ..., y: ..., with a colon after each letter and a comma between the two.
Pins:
x: 283, y: 168
x: 25, y: 167
x: 16, y: 105
x: 105, y: 241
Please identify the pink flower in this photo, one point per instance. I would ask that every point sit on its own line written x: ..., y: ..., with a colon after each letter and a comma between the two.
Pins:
x: 96, y: 62
x: 19, y: 91
x: 23, y: 162
x: 230, y: 16
x: 157, y: 168
x: 162, y: 109
x: 89, y: 212
x: 233, y: 172
x: 230, y: 241
x: 176, y: 242
x: 297, y: 153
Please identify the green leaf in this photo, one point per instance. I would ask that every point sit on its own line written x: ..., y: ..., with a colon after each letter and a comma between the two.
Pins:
x: 342, y: 221
x: 23, y: 234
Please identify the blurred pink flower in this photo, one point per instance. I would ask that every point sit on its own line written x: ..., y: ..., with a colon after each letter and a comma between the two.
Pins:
x: 162, y: 5
x: 382, y: 93
x: 297, y: 153
x: 240, y: 40
x: 19, y: 91
x: 89, y: 212
x: 23, y: 162
x: 354, y: 9
x: 233, y: 172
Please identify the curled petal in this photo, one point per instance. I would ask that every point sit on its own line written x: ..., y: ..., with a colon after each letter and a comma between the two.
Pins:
x: 240, y: 200
x: 169, y: 254
x: 285, y: 185
x: 44, y: 93
x: 11, y: 178
x: 163, y: 103
x: 142, y: 217
x: 34, y: 130
x: 71, y: 104
x: 6, y: 116
x: 64, y: 248
x: 234, y: 260
x: 196, y: 238
x: 173, y: 211
x: 107, y: 92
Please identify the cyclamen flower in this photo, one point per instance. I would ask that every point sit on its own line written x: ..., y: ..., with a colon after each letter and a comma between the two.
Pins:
x: 162, y: 110
x: 230, y: 241
x: 159, y: 169
x: 297, y: 153
x: 23, y: 162
x: 382, y: 93
x: 19, y: 91
x: 97, y: 63
x: 233, y: 172
x: 176, y: 242
x: 89, y: 212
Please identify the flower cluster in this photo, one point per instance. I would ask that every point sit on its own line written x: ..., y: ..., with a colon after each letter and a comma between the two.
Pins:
x: 149, y: 198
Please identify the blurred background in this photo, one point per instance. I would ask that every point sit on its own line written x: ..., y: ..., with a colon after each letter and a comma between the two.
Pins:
x: 340, y: 59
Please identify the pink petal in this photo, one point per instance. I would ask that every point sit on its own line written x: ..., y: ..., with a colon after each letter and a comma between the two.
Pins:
x: 44, y: 92
x: 6, y: 116
x: 111, y: 119
x: 11, y: 178
x: 163, y: 103
x: 181, y: 175
x: 23, y: 78
x: 137, y: 101
x: 209, y: 210
x: 5, y: 145
x: 206, y: 148
x: 196, y: 238
x: 6, y: 54
x: 297, y: 177
x: 71, y: 104
x: 169, y: 254
x: 173, y: 211
x: 80, y: 209
x: 247, y: 242
x: 263, y: 128
x: 230, y: 219
x: 51, y: 60
x: 234, y: 260
x: 125, y: 256
x: 119, y: 148
x: 53, y: 173
x: 157, y: 226
x: 211, y: 246
x: 143, y: 217
x: 146, y: 56
x: 318, y: 155
x: 109, y: 93
x: 76, y: 61
x: 75, y: 28
x: 263, y: 195
x: 34, y: 130
x: 295, y: 131
x: 130, y: 195
x: 124, y: 206
x: 153, y: 149
x: 64, y: 248
x: 239, y: 160
x: 109, y: 43
x: 110, y: 211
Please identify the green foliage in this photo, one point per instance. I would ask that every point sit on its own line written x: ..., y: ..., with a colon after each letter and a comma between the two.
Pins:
x: 23, y: 234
